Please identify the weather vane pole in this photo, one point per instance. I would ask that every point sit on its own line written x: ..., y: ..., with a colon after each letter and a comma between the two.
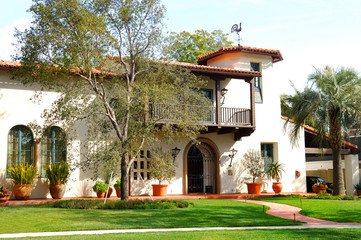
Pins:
x: 237, y: 30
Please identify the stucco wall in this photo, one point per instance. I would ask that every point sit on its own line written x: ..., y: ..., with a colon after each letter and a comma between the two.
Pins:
x: 17, y: 108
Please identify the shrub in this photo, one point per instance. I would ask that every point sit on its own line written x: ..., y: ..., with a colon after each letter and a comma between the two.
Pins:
x: 330, y: 197
x: 22, y: 174
x: 121, y: 205
x: 4, y: 192
x: 58, y: 173
x: 100, y: 187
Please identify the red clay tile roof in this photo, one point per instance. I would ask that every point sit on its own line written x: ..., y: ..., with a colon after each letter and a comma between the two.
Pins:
x: 313, y: 130
x: 9, y: 64
x: 275, y: 54
x: 193, y: 67
x: 214, y: 69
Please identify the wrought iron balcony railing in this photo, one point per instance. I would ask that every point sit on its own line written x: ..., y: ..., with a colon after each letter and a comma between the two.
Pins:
x: 208, y: 115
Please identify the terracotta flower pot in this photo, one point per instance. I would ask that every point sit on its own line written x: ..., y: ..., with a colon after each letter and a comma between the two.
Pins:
x: 277, y: 187
x: 160, y: 189
x: 358, y: 192
x: 254, y: 188
x: 110, y: 191
x: 22, y: 192
x: 100, y: 194
x: 119, y: 193
x: 57, y: 191
x: 5, y: 198
x: 317, y: 189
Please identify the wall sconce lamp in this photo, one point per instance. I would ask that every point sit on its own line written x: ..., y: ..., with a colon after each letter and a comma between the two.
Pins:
x: 223, y: 94
x: 231, y: 155
x: 175, y: 152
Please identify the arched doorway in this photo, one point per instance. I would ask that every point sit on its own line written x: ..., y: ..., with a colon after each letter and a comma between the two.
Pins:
x: 201, y: 168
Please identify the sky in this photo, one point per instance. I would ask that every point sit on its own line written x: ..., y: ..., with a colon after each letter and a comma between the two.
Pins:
x: 309, y: 33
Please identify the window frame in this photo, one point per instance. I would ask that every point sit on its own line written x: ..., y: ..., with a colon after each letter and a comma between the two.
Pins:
x: 52, y: 150
x: 19, y: 147
x: 264, y: 154
x: 258, y: 80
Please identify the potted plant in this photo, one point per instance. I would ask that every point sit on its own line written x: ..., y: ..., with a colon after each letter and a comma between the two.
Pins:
x: 319, y: 187
x: 4, y: 194
x: 254, y: 165
x: 162, y: 168
x: 358, y: 189
x: 118, y: 187
x: 58, y: 174
x: 274, y: 171
x: 100, y: 188
x: 22, y: 176
x: 107, y: 182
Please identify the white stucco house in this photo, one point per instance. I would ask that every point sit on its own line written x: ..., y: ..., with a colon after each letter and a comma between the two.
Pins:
x: 246, y: 114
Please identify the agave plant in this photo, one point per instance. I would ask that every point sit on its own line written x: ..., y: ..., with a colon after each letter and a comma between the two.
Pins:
x: 58, y: 173
x: 275, y: 170
x: 22, y: 174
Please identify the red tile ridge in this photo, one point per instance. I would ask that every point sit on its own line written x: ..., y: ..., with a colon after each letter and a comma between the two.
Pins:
x: 275, y: 54
x: 212, y: 68
x: 311, y: 129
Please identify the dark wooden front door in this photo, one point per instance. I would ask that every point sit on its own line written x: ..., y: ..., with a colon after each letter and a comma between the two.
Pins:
x: 201, y: 169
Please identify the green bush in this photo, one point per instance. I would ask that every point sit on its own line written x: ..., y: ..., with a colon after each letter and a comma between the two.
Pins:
x: 22, y: 174
x: 119, y: 204
x: 58, y: 173
x: 288, y: 196
x: 100, y: 187
x: 330, y: 197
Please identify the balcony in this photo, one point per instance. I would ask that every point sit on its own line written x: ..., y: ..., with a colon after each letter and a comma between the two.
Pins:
x: 226, y: 120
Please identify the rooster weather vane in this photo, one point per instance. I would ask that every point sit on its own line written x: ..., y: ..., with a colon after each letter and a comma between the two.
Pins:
x: 237, y: 30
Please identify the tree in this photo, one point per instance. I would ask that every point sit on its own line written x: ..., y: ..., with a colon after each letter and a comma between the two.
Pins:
x: 186, y: 47
x: 332, y: 103
x: 95, y: 54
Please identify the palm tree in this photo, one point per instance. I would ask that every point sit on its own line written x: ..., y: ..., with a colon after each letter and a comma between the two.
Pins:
x: 332, y: 102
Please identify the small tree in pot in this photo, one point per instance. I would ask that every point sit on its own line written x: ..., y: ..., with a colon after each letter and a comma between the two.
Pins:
x: 274, y: 171
x: 58, y: 174
x: 162, y: 168
x: 22, y: 176
x: 254, y: 165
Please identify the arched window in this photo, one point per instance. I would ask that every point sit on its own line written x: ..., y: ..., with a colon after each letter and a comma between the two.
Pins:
x: 53, y: 147
x: 20, y: 146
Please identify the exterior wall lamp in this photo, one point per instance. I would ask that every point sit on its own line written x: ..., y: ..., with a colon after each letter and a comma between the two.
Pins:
x: 231, y: 155
x: 223, y: 94
x: 175, y: 152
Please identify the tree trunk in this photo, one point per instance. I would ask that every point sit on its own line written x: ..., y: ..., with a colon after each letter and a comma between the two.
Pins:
x: 125, y: 179
x: 336, y: 145
x: 338, y: 183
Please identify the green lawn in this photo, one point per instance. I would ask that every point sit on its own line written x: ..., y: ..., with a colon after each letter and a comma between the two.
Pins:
x: 333, y: 210
x: 205, y: 213
x: 278, y: 234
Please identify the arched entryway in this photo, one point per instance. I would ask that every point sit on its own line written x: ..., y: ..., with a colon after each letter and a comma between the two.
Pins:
x: 201, y: 167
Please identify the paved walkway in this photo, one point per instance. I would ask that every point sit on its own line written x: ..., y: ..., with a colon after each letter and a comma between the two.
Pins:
x: 293, y: 213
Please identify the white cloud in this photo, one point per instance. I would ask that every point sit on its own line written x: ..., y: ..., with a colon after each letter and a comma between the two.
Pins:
x: 7, y: 37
